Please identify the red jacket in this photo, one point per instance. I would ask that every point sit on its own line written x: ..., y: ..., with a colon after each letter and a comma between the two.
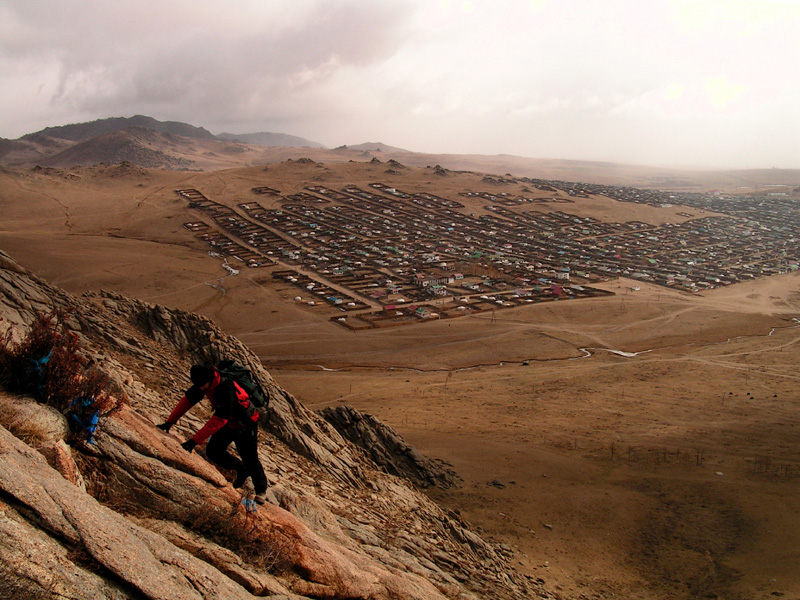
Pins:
x: 232, y: 406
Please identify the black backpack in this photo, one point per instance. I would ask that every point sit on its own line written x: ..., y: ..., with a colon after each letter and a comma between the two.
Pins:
x: 242, y: 375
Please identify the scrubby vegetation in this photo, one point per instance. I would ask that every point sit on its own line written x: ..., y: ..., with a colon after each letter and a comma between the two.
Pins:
x: 258, y: 544
x: 48, y: 365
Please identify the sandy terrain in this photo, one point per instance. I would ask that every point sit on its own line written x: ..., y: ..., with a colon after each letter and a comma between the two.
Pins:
x: 669, y: 472
x: 672, y: 473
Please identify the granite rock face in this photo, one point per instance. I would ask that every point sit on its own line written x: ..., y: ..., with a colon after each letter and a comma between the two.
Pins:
x: 133, y: 515
x: 388, y: 449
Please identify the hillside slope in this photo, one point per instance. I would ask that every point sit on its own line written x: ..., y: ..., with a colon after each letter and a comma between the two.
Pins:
x: 266, y: 138
x: 134, y: 516
x: 78, y: 132
x: 137, y: 145
x: 140, y: 140
x: 175, y: 145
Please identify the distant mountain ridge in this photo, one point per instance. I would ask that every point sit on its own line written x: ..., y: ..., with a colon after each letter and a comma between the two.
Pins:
x: 137, y: 145
x: 78, y: 132
x: 82, y: 131
x: 266, y: 138
x: 143, y: 141
x: 373, y: 147
x: 172, y: 145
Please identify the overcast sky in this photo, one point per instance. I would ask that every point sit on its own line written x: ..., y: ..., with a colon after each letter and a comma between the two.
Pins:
x: 657, y: 82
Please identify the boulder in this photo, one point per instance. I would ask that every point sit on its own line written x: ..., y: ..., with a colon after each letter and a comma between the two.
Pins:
x: 34, y: 422
x: 59, y: 456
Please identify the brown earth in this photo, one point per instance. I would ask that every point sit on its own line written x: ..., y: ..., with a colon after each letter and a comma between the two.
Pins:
x: 669, y: 474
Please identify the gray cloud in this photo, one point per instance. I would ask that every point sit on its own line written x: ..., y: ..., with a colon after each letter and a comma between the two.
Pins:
x: 194, y: 60
x: 664, y: 81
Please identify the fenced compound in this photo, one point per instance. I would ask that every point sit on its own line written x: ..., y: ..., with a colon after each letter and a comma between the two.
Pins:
x: 658, y: 456
x: 766, y: 466
x: 266, y: 191
x: 650, y: 456
x: 316, y: 290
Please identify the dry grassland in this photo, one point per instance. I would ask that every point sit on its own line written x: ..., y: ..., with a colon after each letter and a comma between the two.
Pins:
x: 672, y: 471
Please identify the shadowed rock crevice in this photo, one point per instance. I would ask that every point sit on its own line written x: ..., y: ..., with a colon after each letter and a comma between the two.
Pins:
x: 388, y: 449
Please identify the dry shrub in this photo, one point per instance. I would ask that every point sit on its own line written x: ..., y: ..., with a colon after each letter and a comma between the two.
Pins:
x: 47, y: 364
x: 26, y: 420
x: 264, y: 548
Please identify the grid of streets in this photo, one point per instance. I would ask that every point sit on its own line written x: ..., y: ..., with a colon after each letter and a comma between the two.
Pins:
x: 403, y: 256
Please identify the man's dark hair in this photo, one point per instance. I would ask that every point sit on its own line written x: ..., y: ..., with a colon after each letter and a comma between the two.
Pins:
x: 201, y: 375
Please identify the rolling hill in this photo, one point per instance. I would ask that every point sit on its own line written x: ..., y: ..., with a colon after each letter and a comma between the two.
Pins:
x: 266, y: 138
x: 147, y: 142
x: 83, y: 131
x: 143, y: 141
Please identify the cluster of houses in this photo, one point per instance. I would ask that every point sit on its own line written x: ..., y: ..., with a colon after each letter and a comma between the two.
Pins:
x: 751, y: 236
x: 392, y: 249
x: 314, y: 291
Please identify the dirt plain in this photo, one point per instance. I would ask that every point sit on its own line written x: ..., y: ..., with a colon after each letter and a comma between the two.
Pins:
x: 644, y: 445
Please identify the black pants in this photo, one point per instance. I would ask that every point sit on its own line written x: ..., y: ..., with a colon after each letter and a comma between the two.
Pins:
x: 246, y: 440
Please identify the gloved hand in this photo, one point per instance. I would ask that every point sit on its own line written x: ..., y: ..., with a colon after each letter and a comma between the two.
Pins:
x: 189, y: 445
x: 165, y: 426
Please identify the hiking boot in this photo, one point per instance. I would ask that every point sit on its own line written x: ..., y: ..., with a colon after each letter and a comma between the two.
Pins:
x: 241, y: 477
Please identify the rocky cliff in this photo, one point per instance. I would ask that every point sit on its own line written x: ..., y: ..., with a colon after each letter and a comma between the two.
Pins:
x: 135, y: 516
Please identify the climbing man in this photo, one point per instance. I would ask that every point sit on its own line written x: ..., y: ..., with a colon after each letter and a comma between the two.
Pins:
x: 234, y: 420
